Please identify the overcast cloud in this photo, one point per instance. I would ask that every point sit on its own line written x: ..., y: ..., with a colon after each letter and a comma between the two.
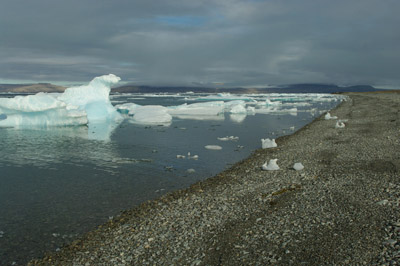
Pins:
x: 180, y: 42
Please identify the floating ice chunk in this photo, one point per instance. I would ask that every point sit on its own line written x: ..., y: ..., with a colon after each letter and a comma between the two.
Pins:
x: 213, y: 147
x: 276, y: 110
x: 251, y: 110
x: 229, y: 138
x: 292, y: 128
x: 329, y: 117
x: 237, y: 118
x: 194, y: 157
x: 298, y: 166
x: 268, y: 102
x: 93, y: 98
x: 268, y: 143
x: 225, y: 97
x: 339, y: 125
x: 32, y: 103
x: 271, y: 166
x: 180, y: 156
x: 127, y: 108
x: 152, y: 114
x: 197, y: 109
x: 76, y: 106
x: 238, y: 109
x: 190, y: 171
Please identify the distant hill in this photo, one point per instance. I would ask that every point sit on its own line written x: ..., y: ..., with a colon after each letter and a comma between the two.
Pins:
x: 293, y: 88
x: 31, y: 88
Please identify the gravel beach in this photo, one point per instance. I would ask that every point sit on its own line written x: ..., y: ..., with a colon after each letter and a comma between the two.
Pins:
x: 342, y: 208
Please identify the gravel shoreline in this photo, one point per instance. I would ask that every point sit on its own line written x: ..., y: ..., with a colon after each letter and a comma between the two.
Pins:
x: 342, y: 208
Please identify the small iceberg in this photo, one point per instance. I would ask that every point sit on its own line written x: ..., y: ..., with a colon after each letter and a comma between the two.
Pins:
x: 339, y: 125
x: 268, y: 143
x: 227, y: 138
x: 329, y: 117
x: 213, y: 147
x: 298, y: 166
x: 151, y: 114
x: 194, y: 157
x: 238, y: 109
x: 271, y: 166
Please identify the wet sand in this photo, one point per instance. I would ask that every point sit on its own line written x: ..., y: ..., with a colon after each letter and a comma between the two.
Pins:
x: 342, y: 208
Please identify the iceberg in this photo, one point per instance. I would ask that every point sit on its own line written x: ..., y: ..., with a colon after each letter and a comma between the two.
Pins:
x: 76, y: 106
x: 268, y: 143
x: 198, y: 109
x: 228, y: 138
x: 271, y: 165
x: 225, y: 97
x: 151, y: 114
x: 238, y: 109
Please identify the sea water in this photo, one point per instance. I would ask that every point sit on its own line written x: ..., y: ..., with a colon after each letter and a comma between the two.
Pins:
x: 57, y: 183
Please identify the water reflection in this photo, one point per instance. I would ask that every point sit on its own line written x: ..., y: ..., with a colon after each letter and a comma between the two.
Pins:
x: 47, y: 147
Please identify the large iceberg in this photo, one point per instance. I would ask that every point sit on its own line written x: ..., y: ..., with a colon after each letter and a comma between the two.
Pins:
x: 76, y: 106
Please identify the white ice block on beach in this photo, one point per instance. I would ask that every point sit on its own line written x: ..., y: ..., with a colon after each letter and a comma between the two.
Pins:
x: 329, y: 117
x: 271, y: 165
x: 268, y: 143
x: 298, y: 166
x: 339, y: 125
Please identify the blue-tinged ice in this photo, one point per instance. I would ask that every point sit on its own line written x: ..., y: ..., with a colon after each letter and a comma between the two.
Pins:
x: 76, y: 106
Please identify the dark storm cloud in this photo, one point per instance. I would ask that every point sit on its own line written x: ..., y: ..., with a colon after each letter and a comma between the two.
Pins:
x: 239, y: 43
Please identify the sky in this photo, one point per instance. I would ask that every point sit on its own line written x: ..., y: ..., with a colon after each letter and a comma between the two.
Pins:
x: 231, y: 43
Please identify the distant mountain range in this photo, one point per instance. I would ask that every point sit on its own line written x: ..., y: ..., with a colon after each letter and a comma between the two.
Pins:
x: 31, y: 88
x: 293, y: 88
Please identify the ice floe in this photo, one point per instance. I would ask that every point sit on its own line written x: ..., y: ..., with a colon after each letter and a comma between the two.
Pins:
x: 151, y: 114
x: 213, y: 147
x: 268, y: 143
x: 228, y: 138
x: 271, y: 165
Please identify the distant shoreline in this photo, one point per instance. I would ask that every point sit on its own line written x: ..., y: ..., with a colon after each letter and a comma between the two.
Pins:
x: 294, y: 88
x: 335, y: 211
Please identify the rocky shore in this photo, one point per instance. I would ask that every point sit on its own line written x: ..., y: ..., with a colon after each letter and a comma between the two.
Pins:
x: 342, y: 208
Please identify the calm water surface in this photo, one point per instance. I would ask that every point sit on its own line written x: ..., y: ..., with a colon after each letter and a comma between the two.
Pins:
x: 58, y: 183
